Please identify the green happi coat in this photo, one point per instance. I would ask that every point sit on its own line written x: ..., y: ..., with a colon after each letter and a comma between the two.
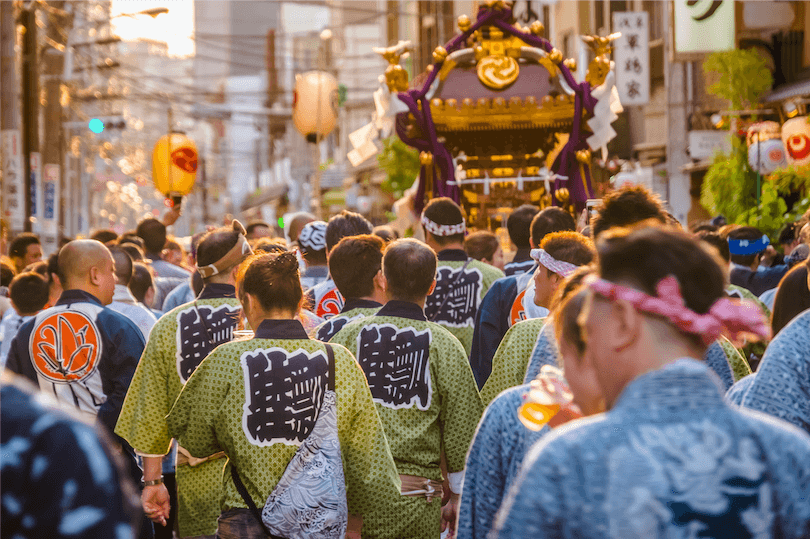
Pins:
x: 756, y: 348
x: 353, y: 310
x: 457, y: 314
x: 176, y: 346
x: 512, y: 357
x: 256, y: 426
x: 426, y: 395
x: 739, y: 366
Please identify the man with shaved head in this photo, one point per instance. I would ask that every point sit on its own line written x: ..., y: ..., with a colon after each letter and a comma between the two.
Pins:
x: 80, y: 351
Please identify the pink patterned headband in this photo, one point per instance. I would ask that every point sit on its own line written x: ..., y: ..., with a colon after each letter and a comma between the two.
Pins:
x: 735, y: 317
x: 552, y: 264
x: 443, y: 230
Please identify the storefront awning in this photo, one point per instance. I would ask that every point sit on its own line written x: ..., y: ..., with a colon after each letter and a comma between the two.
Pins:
x: 787, y: 91
x: 263, y: 196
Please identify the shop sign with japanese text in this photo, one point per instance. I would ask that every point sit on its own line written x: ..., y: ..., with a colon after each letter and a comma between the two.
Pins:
x: 631, y: 53
x: 703, y: 25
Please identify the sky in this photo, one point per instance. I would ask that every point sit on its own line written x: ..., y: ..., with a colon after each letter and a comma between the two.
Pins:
x: 176, y: 27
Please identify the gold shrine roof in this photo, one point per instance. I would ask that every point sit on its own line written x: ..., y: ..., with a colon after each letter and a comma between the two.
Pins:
x: 517, y: 87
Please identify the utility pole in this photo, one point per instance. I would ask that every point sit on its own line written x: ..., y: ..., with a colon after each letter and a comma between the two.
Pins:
x: 272, y: 90
x: 30, y: 108
x: 12, y: 206
x: 53, y: 150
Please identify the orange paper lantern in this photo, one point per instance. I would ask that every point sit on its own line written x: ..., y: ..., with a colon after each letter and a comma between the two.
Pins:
x: 174, y: 165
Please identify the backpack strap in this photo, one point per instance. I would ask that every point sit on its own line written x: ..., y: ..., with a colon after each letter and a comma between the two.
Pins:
x: 249, y: 501
x: 240, y: 487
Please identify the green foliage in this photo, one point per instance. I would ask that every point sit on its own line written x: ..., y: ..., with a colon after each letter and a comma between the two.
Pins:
x: 769, y: 217
x: 743, y: 77
x: 792, y: 178
x: 401, y: 163
x: 729, y: 187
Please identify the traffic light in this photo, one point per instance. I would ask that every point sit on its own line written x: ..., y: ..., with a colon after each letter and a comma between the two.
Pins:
x: 98, y: 125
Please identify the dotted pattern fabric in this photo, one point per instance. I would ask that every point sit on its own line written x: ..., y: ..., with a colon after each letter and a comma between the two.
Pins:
x: 757, y: 348
x: 512, y: 357
x: 489, y: 275
x: 142, y: 423
x: 545, y: 352
x: 739, y: 366
x: 417, y: 437
x: 207, y: 418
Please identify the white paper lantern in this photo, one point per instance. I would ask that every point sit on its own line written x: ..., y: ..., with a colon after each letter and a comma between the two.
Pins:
x: 796, y: 136
x: 315, y: 104
x: 771, y: 154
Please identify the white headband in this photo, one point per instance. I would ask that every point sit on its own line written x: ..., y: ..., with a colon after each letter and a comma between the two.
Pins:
x: 234, y: 256
x: 443, y: 230
x: 557, y: 266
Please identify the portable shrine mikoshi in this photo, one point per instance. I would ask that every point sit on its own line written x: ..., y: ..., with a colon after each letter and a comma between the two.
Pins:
x: 499, y: 119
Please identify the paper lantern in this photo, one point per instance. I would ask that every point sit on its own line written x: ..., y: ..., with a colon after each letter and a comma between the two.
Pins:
x: 796, y: 136
x: 771, y: 154
x: 174, y: 165
x: 315, y: 104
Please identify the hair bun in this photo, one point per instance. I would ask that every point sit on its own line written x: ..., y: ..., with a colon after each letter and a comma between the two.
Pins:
x: 286, y: 263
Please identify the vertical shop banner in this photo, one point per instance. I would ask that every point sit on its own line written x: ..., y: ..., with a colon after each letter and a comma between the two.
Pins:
x: 13, y: 179
x: 50, y: 207
x: 703, y: 25
x: 631, y: 53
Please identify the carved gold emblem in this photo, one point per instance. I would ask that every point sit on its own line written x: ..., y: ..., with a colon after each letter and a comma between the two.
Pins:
x: 498, y: 72
x: 395, y: 75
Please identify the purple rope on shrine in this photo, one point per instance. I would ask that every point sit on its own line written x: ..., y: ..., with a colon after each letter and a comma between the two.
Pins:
x: 441, y: 156
x: 568, y: 164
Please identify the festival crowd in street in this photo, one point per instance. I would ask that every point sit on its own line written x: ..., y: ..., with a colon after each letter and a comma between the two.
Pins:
x: 617, y: 377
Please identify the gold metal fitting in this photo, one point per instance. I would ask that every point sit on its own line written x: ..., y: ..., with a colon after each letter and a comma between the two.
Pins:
x: 584, y: 156
x: 562, y: 195
x: 426, y: 158
x: 464, y: 23
x: 570, y: 63
x: 537, y: 28
x: 555, y: 56
x: 439, y: 54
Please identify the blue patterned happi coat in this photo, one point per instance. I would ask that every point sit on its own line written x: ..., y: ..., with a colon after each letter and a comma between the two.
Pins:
x: 672, y: 459
x: 495, y: 456
x: 781, y: 387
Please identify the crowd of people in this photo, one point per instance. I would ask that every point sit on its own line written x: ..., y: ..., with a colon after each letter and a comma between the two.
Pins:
x: 617, y: 376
